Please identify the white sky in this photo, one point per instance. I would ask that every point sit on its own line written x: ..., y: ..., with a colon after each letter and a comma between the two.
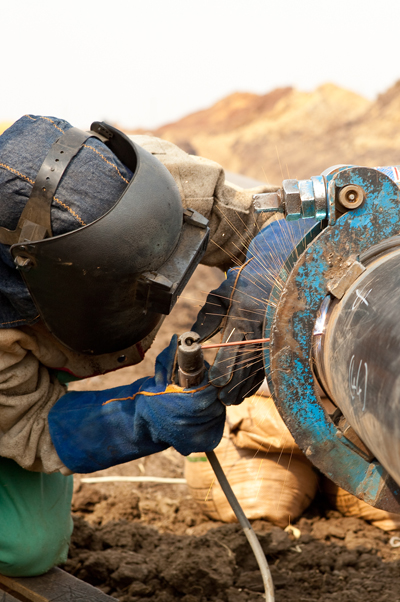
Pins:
x: 143, y: 63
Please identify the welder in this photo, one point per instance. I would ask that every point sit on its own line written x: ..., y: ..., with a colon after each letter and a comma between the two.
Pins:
x: 97, y: 239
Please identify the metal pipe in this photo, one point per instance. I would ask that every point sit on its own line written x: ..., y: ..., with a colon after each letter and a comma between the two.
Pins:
x: 360, y: 361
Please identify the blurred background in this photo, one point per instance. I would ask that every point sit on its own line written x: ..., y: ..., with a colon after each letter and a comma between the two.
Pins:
x: 271, y: 88
x: 268, y: 89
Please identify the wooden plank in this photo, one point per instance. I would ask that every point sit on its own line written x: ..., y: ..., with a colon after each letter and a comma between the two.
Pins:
x: 54, y: 586
x: 6, y: 597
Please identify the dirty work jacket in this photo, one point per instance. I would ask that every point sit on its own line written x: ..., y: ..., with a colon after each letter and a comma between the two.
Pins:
x: 28, y: 384
x: 202, y: 186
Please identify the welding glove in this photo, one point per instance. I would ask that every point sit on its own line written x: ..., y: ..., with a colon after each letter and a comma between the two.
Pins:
x: 92, y: 430
x: 238, y: 306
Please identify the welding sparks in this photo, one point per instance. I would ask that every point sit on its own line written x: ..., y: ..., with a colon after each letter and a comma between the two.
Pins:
x: 253, y: 342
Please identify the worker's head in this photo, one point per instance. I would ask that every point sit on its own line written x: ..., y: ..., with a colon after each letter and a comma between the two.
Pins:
x: 94, y: 239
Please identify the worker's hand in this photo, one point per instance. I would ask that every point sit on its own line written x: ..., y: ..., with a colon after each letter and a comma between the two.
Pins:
x: 92, y: 430
x: 238, y: 306
x: 190, y: 420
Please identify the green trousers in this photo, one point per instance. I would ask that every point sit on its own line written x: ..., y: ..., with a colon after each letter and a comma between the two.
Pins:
x: 35, y: 520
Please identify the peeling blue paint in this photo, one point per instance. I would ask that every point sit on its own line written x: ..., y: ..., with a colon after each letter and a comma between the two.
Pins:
x: 290, y: 327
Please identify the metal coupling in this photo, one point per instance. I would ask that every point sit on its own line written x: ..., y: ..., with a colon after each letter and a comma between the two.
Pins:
x: 297, y: 199
x: 266, y: 202
x: 190, y: 360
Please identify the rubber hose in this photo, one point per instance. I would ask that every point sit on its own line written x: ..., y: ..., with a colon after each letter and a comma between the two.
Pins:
x: 247, y: 528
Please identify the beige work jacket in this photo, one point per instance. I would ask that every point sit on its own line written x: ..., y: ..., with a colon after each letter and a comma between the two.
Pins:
x: 29, y: 387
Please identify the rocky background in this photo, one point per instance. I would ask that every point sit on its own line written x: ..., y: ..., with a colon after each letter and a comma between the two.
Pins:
x: 289, y: 133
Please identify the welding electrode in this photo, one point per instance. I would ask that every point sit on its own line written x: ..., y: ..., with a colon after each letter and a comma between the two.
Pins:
x: 234, y: 344
x: 191, y: 373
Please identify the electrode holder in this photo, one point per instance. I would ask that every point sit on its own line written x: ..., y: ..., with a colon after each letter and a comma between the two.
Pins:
x: 190, y: 360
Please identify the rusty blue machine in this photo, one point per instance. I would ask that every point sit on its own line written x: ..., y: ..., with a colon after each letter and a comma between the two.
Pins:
x: 333, y: 363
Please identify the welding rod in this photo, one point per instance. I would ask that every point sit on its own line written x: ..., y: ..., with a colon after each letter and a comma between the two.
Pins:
x: 252, y: 342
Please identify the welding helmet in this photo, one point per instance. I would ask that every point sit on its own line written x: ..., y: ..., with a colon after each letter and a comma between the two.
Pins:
x: 103, y: 286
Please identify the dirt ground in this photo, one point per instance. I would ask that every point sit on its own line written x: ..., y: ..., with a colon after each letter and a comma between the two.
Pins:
x: 149, y: 541
x: 141, y: 541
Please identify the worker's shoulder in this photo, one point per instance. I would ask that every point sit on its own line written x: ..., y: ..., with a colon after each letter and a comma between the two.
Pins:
x: 157, y: 146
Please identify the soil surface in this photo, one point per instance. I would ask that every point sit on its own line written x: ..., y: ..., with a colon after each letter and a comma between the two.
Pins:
x: 141, y: 541
x: 149, y: 541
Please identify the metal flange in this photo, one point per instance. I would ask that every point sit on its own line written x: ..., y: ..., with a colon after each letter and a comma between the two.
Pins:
x: 290, y: 327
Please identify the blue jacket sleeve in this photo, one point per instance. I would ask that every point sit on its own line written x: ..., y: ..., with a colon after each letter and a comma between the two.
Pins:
x: 92, y: 430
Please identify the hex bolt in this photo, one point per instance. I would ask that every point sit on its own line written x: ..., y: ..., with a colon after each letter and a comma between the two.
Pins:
x: 292, y: 200
x: 319, y: 186
x: 351, y: 196
x: 307, y: 198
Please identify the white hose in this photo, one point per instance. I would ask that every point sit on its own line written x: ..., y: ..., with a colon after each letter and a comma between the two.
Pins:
x: 165, y: 480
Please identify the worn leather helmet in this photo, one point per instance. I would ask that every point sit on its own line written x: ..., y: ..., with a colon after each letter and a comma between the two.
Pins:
x: 103, y: 287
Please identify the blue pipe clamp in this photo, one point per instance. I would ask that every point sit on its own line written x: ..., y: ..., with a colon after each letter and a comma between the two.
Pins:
x: 307, y: 276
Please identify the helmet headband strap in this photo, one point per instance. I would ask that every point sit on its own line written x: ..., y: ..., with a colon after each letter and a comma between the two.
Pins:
x: 35, y: 220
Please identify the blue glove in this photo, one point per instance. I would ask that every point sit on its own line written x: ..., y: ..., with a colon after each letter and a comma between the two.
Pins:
x: 92, y: 430
x: 238, y: 306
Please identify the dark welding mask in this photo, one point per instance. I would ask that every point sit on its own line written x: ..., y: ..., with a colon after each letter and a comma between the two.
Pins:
x: 104, y: 287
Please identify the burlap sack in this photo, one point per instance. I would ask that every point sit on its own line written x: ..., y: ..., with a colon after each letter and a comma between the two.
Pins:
x: 256, y: 424
x: 268, y: 472
x: 269, y: 475
x: 349, y: 505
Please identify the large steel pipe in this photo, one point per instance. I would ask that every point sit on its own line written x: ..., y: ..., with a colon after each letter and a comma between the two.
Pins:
x: 359, y: 359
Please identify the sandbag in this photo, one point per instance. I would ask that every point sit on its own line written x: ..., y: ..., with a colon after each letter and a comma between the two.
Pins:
x: 274, y: 486
x: 256, y: 424
x: 349, y: 505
